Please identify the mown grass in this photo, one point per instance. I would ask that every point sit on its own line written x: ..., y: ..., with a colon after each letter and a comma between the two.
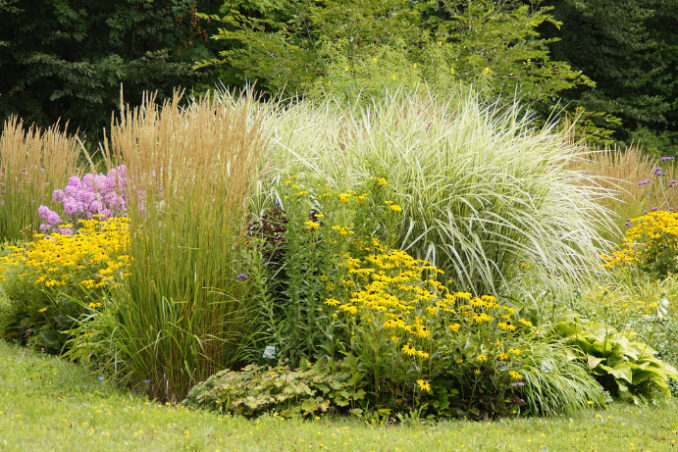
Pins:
x: 49, y: 404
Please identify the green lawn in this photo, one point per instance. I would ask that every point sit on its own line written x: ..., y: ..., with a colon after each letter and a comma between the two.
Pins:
x: 48, y: 404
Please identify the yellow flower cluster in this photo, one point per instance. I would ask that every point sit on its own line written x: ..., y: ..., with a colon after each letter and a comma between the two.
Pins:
x: 311, y: 225
x: 91, y: 258
x: 349, y: 196
x: 621, y: 256
x: 393, y: 292
x: 648, y: 233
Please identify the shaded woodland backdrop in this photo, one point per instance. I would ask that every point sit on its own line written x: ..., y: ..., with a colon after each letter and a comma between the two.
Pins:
x: 614, y: 63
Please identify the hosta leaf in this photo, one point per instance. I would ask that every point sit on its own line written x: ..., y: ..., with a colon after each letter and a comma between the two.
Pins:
x: 593, y: 361
x: 624, y: 372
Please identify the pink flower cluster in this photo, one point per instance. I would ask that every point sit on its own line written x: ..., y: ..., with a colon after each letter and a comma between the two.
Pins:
x: 94, y: 194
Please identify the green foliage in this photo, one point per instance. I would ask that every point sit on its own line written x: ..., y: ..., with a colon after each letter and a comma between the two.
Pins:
x: 556, y: 382
x: 50, y: 282
x: 24, y: 317
x: 626, y: 368
x: 629, y: 49
x: 68, y: 59
x: 347, y: 48
x: 293, y: 262
x: 662, y: 335
x: 285, y: 279
x: 321, y: 387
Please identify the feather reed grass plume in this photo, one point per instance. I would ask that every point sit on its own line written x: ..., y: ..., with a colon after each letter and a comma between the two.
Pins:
x: 33, y: 163
x: 190, y: 171
x: 633, y: 177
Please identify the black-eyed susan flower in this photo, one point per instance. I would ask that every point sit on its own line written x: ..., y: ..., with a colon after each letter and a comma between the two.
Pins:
x: 424, y: 385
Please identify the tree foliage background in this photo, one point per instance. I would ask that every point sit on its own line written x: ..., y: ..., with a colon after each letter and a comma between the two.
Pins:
x: 615, y: 62
x: 630, y: 49
x: 68, y: 58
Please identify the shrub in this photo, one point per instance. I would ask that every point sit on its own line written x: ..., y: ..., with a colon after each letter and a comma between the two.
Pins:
x: 189, y: 172
x: 316, y: 388
x: 482, y: 191
x: 51, y: 281
x: 626, y: 368
x: 32, y: 163
x: 308, y: 47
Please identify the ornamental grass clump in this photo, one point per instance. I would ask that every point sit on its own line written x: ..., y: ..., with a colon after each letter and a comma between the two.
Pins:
x: 640, y: 182
x: 33, y: 163
x: 189, y: 171
x: 482, y: 189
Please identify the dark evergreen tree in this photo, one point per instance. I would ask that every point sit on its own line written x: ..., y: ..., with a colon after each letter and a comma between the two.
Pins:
x: 68, y: 58
x: 630, y: 49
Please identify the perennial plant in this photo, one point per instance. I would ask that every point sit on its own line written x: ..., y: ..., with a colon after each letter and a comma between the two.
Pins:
x: 54, y: 279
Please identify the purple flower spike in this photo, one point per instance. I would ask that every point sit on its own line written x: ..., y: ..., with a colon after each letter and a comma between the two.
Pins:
x: 644, y: 182
x: 242, y: 276
x: 654, y: 209
x: 147, y: 382
x: 663, y: 159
